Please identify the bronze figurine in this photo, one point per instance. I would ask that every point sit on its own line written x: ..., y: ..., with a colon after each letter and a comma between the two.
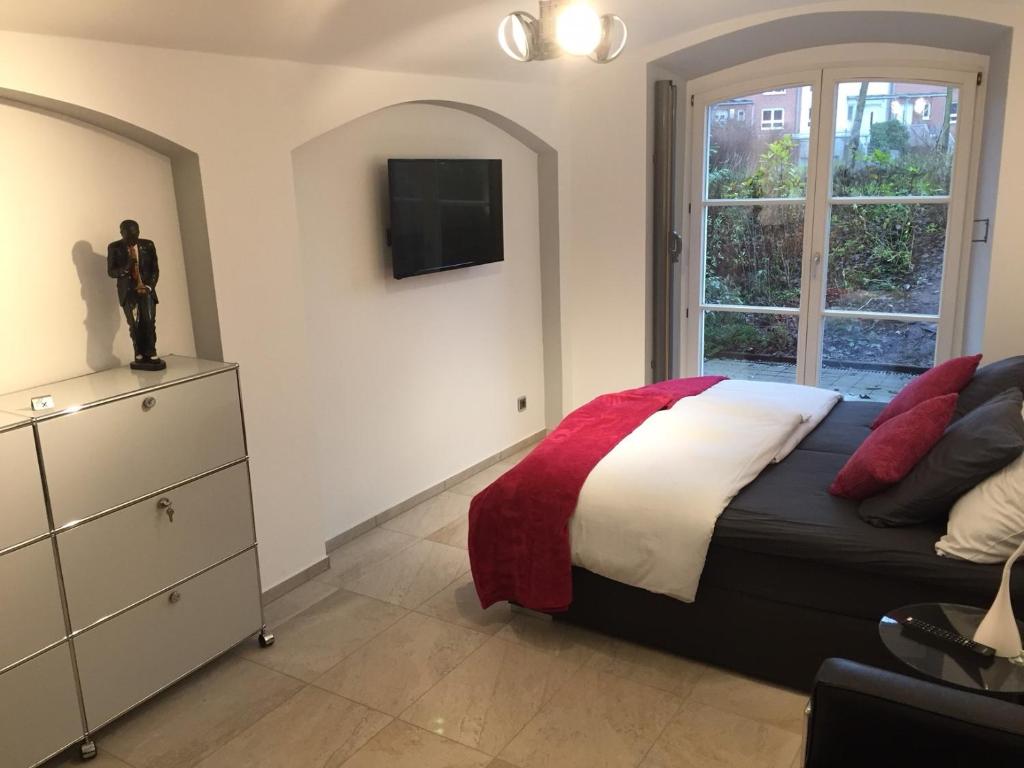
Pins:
x: 133, y: 262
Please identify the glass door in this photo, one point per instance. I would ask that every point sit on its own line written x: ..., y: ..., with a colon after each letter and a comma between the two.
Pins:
x: 753, y: 233
x: 827, y: 238
x: 893, y: 218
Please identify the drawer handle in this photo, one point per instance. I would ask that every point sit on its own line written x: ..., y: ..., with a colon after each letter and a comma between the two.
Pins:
x: 148, y: 403
x: 174, y: 597
x: 166, y: 505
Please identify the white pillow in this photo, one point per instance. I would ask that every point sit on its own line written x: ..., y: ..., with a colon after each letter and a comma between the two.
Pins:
x: 986, y: 524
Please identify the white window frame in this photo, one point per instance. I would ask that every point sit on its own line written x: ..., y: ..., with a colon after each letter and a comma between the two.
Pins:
x: 773, y: 123
x: 948, y: 67
x: 779, y: 92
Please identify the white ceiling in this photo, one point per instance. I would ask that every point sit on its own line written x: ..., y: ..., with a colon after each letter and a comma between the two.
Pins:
x: 456, y: 37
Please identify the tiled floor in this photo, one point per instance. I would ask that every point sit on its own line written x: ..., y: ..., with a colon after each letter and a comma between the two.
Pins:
x: 387, y: 661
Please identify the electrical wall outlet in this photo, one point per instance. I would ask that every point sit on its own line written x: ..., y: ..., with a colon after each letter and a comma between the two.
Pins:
x: 521, y: 404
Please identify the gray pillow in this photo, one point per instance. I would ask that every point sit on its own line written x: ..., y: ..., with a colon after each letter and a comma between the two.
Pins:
x: 978, y: 445
x: 989, y: 381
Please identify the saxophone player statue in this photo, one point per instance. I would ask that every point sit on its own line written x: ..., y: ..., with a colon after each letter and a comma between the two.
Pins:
x: 132, y: 262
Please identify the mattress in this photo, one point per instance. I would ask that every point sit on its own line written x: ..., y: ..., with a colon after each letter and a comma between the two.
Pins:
x: 785, y: 538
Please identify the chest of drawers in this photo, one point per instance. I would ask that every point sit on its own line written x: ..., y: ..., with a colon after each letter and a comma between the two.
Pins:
x: 128, y: 544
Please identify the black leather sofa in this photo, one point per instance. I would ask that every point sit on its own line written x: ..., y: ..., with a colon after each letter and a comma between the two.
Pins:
x: 863, y: 716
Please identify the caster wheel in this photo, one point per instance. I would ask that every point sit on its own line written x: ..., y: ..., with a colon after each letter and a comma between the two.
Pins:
x: 266, y: 639
x: 87, y: 749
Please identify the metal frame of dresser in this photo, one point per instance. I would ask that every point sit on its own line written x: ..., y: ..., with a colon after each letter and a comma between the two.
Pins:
x: 86, y: 743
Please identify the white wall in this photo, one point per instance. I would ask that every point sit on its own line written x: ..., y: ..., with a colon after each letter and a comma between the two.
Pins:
x: 419, y: 377
x: 64, y: 189
x: 243, y: 118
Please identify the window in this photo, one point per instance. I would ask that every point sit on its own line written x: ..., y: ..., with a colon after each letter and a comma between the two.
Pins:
x: 773, y: 119
x: 721, y: 116
x: 926, y: 111
x: 953, y: 110
x: 775, y: 93
x: 741, y: 115
x: 793, y: 275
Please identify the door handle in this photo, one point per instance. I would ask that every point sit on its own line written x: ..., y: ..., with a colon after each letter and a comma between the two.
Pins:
x: 675, y: 247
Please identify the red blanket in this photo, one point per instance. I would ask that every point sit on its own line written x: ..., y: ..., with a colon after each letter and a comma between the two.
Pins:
x: 519, y: 525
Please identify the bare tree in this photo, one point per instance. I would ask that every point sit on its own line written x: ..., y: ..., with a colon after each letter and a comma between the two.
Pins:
x: 853, y: 143
x: 947, y: 120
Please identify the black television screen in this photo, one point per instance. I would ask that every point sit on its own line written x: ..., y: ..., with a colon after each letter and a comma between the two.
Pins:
x: 445, y: 214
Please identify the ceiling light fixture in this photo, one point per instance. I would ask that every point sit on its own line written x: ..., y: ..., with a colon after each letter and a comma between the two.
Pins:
x: 564, y: 26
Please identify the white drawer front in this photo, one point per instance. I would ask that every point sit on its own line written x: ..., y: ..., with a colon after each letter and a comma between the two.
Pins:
x: 123, y: 557
x: 38, y: 709
x: 22, y: 509
x: 30, y: 613
x: 107, y: 455
x: 127, y: 659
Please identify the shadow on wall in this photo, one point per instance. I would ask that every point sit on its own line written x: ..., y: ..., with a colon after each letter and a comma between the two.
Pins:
x: 102, y: 314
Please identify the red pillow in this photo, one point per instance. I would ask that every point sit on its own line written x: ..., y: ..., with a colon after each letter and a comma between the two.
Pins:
x: 948, y: 378
x: 890, y: 452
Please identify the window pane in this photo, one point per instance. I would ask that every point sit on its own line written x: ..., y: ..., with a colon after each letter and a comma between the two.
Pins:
x: 754, y: 255
x: 893, y: 138
x: 750, y: 346
x: 765, y: 156
x: 873, y: 359
x: 886, y: 258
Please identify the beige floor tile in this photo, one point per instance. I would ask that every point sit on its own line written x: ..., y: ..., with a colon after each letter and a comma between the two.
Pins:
x: 750, y: 698
x: 404, y: 746
x: 413, y: 576
x: 313, y: 728
x: 595, y: 720
x: 402, y: 663
x: 647, y: 666
x: 374, y: 546
x: 430, y: 516
x: 321, y: 636
x: 71, y: 759
x: 455, y: 534
x: 295, y: 602
x: 705, y: 737
x: 471, y: 486
x: 458, y: 604
x: 486, y: 700
x: 552, y: 637
x: 181, y: 726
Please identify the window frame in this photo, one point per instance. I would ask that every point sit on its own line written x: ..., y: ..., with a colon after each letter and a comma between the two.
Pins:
x: 773, y: 124
x: 950, y: 67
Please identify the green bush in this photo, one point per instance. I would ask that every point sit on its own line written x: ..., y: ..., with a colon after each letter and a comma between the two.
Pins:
x: 877, y: 252
x: 890, y: 136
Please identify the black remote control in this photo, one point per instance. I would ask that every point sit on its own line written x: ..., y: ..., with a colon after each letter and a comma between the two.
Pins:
x: 948, y: 636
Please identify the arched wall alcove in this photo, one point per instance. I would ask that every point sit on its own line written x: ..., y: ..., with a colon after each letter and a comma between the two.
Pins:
x: 443, y: 356
x: 188, y: 204
x: 772, y: 41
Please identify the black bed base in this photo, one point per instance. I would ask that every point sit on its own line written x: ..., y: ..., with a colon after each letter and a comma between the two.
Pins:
x: 777, y: 642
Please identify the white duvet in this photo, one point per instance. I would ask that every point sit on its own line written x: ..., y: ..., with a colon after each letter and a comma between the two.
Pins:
x: 647, y: 511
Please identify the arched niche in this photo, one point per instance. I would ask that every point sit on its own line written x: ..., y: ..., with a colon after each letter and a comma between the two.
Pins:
x: 191, y: 209
x: 549, y: 232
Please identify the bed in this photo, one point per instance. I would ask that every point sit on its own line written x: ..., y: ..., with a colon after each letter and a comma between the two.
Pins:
x: 792, y: 575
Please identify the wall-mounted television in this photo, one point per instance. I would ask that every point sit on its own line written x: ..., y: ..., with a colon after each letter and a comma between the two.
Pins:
x: 445, y: 214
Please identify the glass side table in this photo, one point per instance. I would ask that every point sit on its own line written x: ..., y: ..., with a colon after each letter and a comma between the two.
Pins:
x: 946, y: 662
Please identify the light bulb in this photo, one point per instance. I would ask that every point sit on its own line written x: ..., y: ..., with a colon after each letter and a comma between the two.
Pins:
x: 578, y: 30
